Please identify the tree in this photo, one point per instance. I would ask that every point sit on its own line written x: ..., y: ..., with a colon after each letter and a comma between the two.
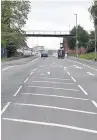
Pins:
x: 83, y: 37
x: 13, y: 18
x: 93, y: 12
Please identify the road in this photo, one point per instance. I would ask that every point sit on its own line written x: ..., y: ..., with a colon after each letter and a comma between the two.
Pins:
x: 49, y: 99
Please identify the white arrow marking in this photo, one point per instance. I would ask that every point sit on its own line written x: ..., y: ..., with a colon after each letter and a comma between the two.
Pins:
x: 77, y: 67
x: 89, y: 73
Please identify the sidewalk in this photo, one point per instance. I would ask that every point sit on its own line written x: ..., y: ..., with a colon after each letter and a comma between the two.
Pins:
x: 18, y: 61
x: 88, y: 62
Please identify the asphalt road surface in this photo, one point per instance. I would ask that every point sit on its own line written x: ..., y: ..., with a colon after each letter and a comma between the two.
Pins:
x: 49, y: 99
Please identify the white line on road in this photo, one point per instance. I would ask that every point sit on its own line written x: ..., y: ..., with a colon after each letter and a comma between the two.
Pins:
x: 56, y: 96
x: 34, y: 69
x: 6, y: 106
x: 83, y: 64
x: 91, y: 74
x: 55, y: 88
x: 52, y: 125
x: 6, y: 68
x: 57, y: 108
x: 51, y: 82
x: 31, y: 73
x: 26, y: 80
x: 53, y: 61
x: 17, y: 91
x: 52, y: 78
x: 68, y: 73
x: 95, y: 104
x: 73, y: 79
x: 83, y: 90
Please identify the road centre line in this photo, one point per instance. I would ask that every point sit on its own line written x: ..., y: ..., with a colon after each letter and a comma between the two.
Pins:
x: 56, y: 96
x: 51, y: 82
x: 73, y: 79
x: 6, y: 106
x: 52, y: 125
x: 17, y: 91
x: 52, y: 78
x: 94, y: 103
x: 55, y: 88
x: 26, y: 80
x: 83, y: 90
x: 83, y: 64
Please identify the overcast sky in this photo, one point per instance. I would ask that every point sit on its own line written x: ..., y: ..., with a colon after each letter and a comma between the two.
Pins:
x: 56, y: 15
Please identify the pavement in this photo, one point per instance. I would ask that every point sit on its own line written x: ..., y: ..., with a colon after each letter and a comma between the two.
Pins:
x: 16, y: 61
x: 49, y: 99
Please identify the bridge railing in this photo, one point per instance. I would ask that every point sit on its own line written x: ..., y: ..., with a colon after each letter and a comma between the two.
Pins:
x: 47, y: 32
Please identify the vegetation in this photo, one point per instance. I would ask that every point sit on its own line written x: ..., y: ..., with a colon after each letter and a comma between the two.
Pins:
x: 87, y: 56
x: 13, y: 18
x: 93, y: 12
x: 83, y: 37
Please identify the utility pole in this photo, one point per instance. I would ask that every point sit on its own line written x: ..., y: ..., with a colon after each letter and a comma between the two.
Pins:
x: 76, y: 37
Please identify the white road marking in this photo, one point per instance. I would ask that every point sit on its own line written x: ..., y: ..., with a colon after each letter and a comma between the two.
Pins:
x: 6, y: 106
x: 57, y: 108
x: 91, y: 74
x: 51, y: 82
x: 55, y: 88
x: 68, y: 73
x: 17, y: 91
x: 77, y: 67
x: 95, y: 104
x: 52, y: 125
x: 26, y: 80
x: 73, y: 79
x: 56, y: 96
x: 83, y: 64
x: 52, y: 78
x: 48, y: 72
x: 53, y: 60
x: 65, y: 68
x: 33, y: 60
x: 83, y: 90
x: 6, y: 68
x: 34, y: 69
x: 31, y: 73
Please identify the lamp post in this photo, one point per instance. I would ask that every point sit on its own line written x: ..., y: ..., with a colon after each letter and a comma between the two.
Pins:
x: 76, y: 37
x: 95, y: 42
x: 69, y: 28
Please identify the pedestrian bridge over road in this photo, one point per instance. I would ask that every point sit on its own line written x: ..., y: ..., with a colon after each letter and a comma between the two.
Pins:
x: 38, y: 33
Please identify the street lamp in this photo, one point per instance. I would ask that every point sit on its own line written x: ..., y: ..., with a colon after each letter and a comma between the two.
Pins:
x: 76, y: 37
x: 69, y: 28
x: 95, y: 41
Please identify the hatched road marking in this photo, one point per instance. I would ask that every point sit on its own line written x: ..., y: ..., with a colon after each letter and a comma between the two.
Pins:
x: 52, y: 124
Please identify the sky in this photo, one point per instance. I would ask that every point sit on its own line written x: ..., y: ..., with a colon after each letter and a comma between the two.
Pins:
x: 55, y: 15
